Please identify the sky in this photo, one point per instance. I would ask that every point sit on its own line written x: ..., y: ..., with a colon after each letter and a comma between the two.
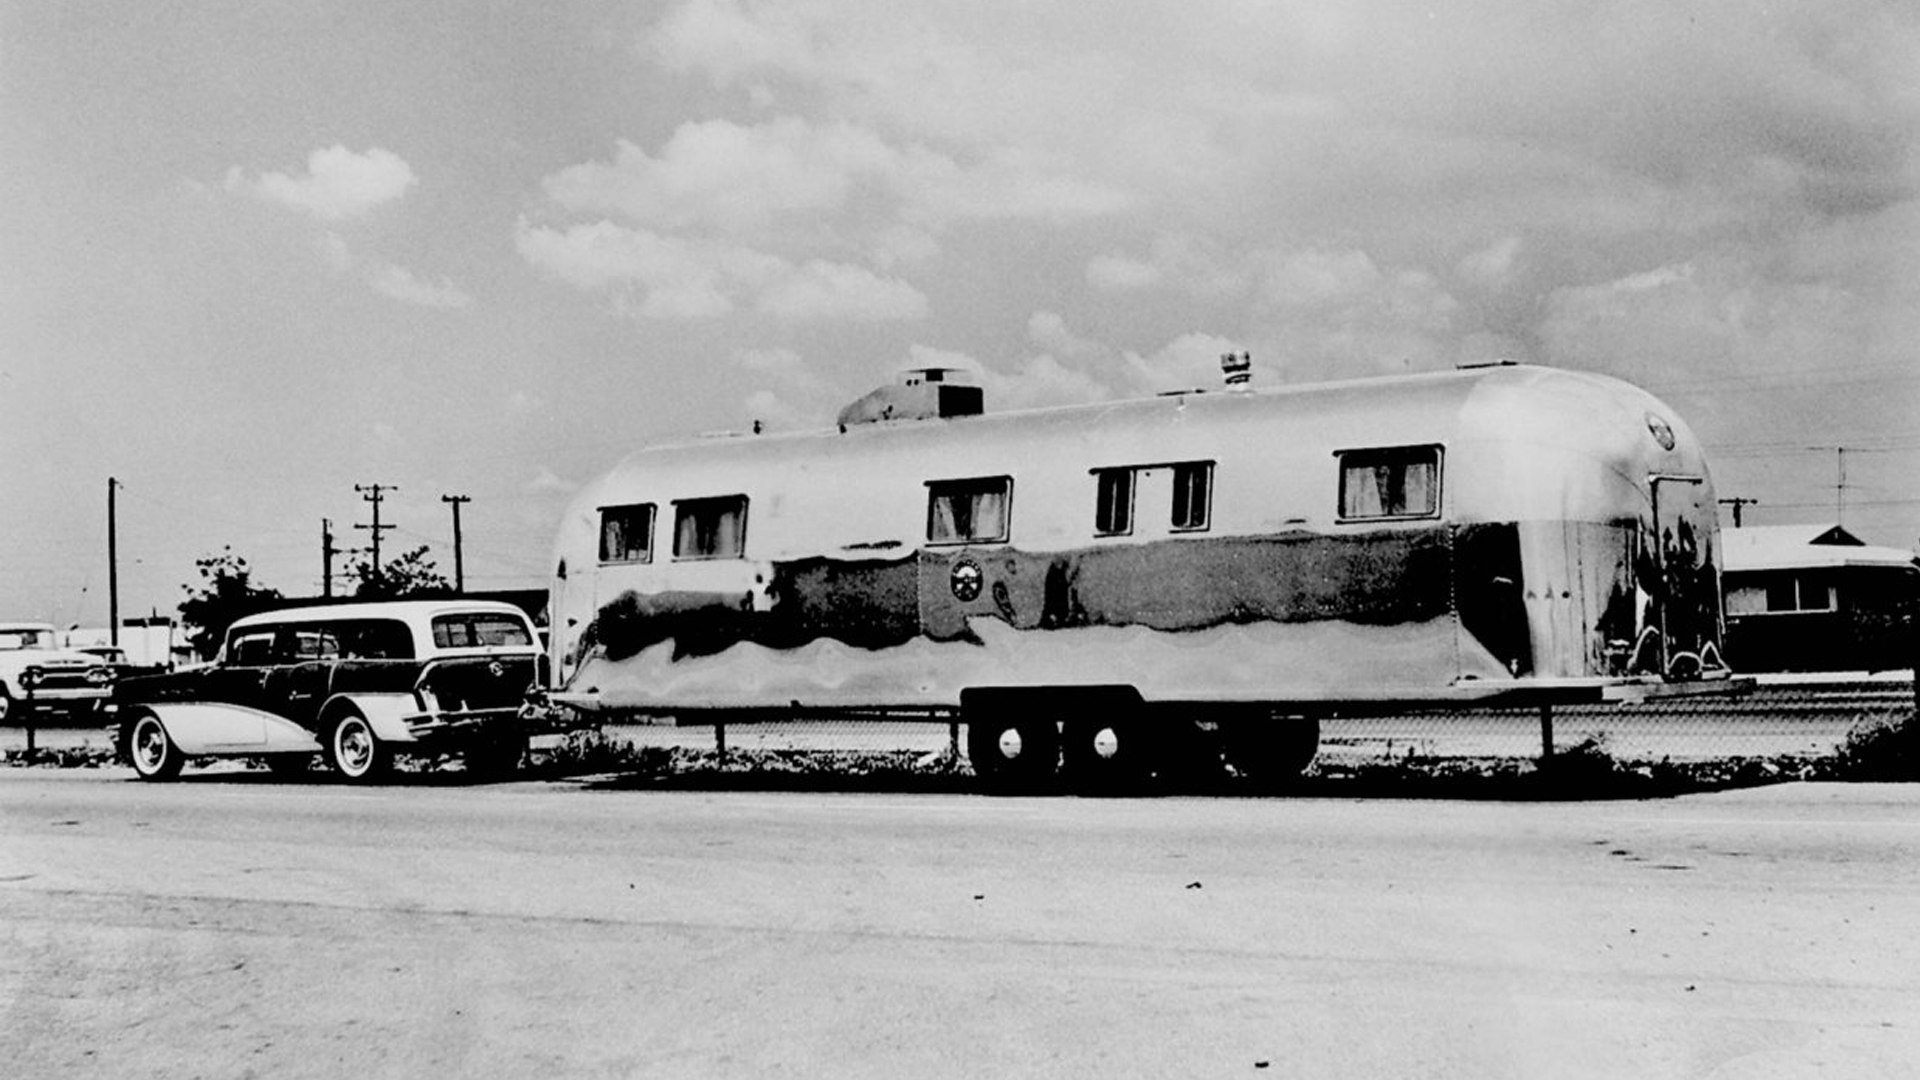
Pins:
x: 254, y: 255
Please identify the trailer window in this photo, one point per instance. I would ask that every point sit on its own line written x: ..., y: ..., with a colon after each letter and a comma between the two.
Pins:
x: 1113, y: 502
x: 626, y: 533
x: 1192, y: 495
x: 710, y: 528
x: 1391, y: 482
x: 969, y: 511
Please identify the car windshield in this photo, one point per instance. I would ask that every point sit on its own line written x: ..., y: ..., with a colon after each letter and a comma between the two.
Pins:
x: 28, y: 638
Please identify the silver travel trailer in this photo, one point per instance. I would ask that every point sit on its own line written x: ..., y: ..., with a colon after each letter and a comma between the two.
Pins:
x: 1088, y: 585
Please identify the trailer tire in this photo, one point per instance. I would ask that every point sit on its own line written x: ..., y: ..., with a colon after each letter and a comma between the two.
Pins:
x: 1270, y: 750
x: 1016, y: 753
x: 1109, y: 755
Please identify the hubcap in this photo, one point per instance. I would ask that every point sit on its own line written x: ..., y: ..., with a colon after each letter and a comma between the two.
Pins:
x: 1106, y: 743
x: 356, y: 747
x: 150, y: 745
x: 1010, y: 744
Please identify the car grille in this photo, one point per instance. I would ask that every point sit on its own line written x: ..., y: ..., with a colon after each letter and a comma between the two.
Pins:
x: 64, y: 678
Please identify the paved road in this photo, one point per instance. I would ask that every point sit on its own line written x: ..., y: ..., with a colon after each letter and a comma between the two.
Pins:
x: 229, y: 926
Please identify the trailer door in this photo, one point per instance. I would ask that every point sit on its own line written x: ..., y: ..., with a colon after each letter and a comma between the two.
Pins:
x: 1685, y: 591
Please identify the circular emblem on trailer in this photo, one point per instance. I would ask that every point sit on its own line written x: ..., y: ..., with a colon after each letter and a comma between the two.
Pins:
x: 1662, y: 431
x: 966, y: 579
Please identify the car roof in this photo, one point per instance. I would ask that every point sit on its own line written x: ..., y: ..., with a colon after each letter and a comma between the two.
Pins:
x: 12, y: 626
x: 401, y: 610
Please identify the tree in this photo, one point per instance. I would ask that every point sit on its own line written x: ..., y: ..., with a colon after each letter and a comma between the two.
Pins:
x: 226, y: 592
x: 411, y: 574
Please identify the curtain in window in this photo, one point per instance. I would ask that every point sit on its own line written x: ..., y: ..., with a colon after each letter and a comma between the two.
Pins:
x: 989, y: 515
x: 1365, y: 491
x: 1417, y: 488
x: 951, y: 515
x: 711, y: 530
x: 964, y: 514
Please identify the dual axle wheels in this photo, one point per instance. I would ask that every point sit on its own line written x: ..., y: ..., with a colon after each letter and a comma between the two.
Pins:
x: 1116, y: 746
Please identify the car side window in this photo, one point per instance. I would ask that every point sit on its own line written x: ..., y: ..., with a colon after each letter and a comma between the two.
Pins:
x: 479, y: 631
x: 251, y: 648
x: 374, y: 639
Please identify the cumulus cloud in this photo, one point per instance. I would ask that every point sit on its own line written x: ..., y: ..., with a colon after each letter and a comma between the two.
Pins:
x: 1117, y: 273
x: 719, y: 175
x: 825, y: 290
x: 547, y: 482
x: 667, y: 277
x: 1050, y: 331
x: 1189, y: 362
x: 400, y: 284
x: 1031, y: 383
x: 722, y: 175
x: 337, y: 185
x: 394, y: 282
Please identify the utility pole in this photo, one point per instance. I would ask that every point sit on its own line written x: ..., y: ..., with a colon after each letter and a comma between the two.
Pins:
x: 1840, y: 482
x: 327, y: 552
x: 1738, y: 503
x: 373, y: 493
x: 1840, y: 487
x: 113, y: 564
x: 459, y: 568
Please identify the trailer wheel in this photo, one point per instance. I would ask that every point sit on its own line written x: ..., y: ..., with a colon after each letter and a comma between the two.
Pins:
x: 355, y: 752
x: 1270, y: 749
x: 1014, y: 754
x: 152, y: 750
x: 1109, y: 755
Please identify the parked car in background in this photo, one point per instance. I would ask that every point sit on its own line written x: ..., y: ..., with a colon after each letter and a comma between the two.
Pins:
x: 357, y: 683
x: 116, y: 658
x: 36, y: 674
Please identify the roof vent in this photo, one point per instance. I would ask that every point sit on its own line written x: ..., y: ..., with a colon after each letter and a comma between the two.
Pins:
x: 922, y: 394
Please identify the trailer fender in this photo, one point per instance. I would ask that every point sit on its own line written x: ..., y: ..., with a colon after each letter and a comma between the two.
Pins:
x: 386, y: 713
x: 209, y: 728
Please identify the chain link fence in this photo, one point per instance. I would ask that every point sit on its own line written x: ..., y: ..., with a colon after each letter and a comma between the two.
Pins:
x: 1781, y: 718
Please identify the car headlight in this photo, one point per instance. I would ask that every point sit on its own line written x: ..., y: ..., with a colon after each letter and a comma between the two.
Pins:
x: 30, y: 678
x: 100, y: 676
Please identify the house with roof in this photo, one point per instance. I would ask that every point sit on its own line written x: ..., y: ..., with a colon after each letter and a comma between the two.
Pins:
x: 1817, y: 598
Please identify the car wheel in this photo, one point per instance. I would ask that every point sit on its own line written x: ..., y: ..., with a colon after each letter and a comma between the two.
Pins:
x: 152, y: 750
x: 288, y: 764
x: 495, y: 758
x: 355, y: 752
